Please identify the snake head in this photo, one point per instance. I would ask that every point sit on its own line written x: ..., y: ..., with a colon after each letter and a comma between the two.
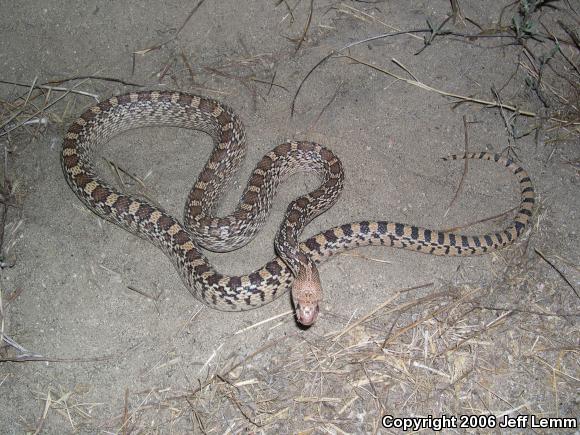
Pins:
x: 307, y: 295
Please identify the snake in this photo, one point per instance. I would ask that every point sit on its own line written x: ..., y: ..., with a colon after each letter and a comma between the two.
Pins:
x: 295, y: 265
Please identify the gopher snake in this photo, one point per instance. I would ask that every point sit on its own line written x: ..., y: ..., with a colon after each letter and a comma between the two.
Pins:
x: 296, y: 265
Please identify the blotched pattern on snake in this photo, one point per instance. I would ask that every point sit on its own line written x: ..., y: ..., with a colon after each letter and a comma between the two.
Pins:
x: 295, y: 266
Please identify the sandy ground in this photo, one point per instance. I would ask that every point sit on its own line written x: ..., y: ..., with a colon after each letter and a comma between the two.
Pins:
x: 125, y: 353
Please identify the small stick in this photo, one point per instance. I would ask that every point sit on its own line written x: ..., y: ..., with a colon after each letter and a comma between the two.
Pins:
x: 378, y: 308
x: 255, y: 325
x: 537, y: 313
x: 308, y: 21
x: 373, y: 18
x: 392, y: 336
x: 225, y: 372
x: 126, y: 412
x: 571, y: 33
x: 174, y: 37
x: 44, y: 414
x: 1, y: 317
x: 475, y: 334
x: 12, y: 296
x: 326, y: 106
x: 508, y: 123
x: 497, y: 216
x: 5, y: 132
x: 288, y: 8
x: 396, y: 62
x: 456, y: 11
x: 320, y: 62
x: 96, y: 77
x: 433, y: 33
x: 134, y: 411
x: 237, y: 403
x: 444, y: 93
x: 465, y: 169
x: 117, y: 169
x: 188, y: 66
x: 272, y: 82
x: 210, y: 359
x: 334, y: 52
x: 364, y: 257
x: 6, y: 192
x: 142, y: 293
x: 557, y: 270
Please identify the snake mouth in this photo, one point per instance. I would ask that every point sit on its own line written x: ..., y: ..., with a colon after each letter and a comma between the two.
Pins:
x: 307, y: 314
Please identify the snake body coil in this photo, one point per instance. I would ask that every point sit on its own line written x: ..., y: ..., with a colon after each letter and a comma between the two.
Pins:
x: 296, y: 265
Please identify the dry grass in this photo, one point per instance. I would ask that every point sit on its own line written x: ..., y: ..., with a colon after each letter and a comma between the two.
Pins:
x: 449, y: 352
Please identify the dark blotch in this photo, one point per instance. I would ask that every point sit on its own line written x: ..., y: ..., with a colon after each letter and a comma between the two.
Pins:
x: 399, y: 229
x: 201, y: 269
x: 282, y: 149
x: 330, y: 236
x: 255, y: 279
x: 364, y: 227
x: 346, y: 229
x: 382, y: 227
x: 206, y: 105
x: 88, y: 115
x: 82, y: 180
x: 302, y: 202
x: 165, y: 222
x: 274, y: 268
x: 206, y: 175
x: 317, y: 193
x: 144, y: 211
x: 184, y: 99
x: 226, y: 136
x: 181, y: 237
x: 250, y: 197
x: 214, y: 279
x: 312, y: 244
x: 235, y: 282
x: 122, y: 204
x: 100, y: 194
x: 414, y: 233
x: 71, y: 161
x: 452, y: 239
x: 75, y: 128
x: 192, y: 254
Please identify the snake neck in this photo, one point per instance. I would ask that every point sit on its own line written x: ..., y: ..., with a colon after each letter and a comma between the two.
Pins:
x: 307, y: 294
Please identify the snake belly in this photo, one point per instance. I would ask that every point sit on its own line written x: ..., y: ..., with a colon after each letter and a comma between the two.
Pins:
x: 295, y: 266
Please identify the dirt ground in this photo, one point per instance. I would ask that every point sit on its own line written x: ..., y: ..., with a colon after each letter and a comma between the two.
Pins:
x: 112, y: 342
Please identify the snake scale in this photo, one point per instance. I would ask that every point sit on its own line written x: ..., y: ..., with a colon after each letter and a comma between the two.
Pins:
x: 295, y: 266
